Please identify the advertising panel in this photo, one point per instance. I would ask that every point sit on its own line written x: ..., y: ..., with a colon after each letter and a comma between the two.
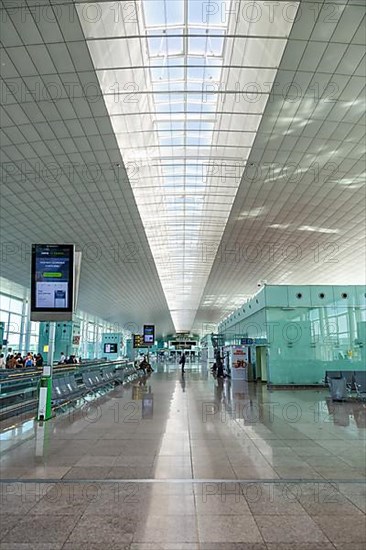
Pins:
x: 149, y: 335
x: 52, y: 282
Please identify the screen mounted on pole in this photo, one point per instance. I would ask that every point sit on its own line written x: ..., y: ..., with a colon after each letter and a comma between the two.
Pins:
x: 149, y: 335
x: 52, y: 282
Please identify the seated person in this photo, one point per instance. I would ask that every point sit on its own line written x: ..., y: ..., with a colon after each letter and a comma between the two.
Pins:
x: 149, y: 368
x: 143, y: 365
x: 11, y: 362
x: 19, y: 362
x: 28, y: 361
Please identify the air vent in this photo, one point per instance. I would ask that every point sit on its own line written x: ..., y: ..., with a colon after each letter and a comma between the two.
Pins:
x: 322, y: 295
x: 344, y: 295
x: 299, y: 295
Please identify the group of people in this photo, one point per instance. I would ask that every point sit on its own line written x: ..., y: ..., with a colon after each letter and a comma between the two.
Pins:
x: 69, y: 360
x: 19, y: 361
x: 29, y: 360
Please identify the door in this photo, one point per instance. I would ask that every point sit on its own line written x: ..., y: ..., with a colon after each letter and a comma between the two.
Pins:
x: 258, y: 364
x: 263, y: 352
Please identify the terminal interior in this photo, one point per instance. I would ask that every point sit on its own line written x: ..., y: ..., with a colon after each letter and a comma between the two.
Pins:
x: 182, y: 286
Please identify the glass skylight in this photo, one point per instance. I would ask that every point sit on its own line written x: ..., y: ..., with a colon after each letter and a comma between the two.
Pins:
x: 173, y: 77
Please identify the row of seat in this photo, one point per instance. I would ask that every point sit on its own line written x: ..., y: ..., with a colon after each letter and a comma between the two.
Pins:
x: 354, y: 380
x: 68, y: 388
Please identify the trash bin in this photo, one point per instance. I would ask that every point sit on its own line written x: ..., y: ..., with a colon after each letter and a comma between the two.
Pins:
x: 338, y: 389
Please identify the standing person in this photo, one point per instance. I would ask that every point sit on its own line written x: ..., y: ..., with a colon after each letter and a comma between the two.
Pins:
x: 220, y: 367
x: 182, y: 361
x: 39, y: 360
x: 62, y: 358
x: 10, y: 353
x: 2, y: 361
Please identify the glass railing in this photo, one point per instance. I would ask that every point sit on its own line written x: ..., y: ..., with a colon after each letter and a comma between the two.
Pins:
x: 19, y: 390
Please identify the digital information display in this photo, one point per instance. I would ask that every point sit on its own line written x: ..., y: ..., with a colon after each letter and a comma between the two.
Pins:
x: 138, y: 341
x: 110, y: 348
x: 52, y: 282
x: 149, y: 335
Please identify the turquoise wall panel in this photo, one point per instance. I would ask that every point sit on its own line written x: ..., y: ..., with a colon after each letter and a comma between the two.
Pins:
x: 306, y: 342
x: 310, y: 329
x: 276, y: 296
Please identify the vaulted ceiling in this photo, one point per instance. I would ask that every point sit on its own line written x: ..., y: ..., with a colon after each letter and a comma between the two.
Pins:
x: 188, y: 148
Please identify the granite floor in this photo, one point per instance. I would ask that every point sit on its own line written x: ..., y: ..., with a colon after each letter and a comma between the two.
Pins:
x: 189, y: 463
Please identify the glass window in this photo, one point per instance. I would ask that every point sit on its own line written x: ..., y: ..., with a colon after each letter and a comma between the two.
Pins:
x: 4, y: 317
x: 13, y: 340
x: 15, y: 323
x: 342, y: 324
x: 174, y: 12
x: 16, y: 306
x: 154, y: 11
x: 163, y: 12
x: 165, y: 45
x: 34, y: 327
x: 4, y: 302
x: 197, y: 45
x: 155, y: 46
x: 209, y: 13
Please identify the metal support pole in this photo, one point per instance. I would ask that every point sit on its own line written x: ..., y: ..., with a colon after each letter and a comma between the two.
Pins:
x: 45, y: 386
x: 51, y: 343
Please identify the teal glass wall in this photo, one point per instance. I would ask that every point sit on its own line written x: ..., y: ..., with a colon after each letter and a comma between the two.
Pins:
x: 308, y: 330
x: 305, y: 342
x: 82, y: 337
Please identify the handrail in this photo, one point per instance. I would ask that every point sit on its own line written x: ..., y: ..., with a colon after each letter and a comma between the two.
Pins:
x: 17, y: 388
x: 57, y: 369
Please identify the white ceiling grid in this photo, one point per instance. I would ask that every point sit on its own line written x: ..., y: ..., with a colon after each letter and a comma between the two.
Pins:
x: 60, y: 182
x: 299, y: 216
x: 52, y: 147
x: 154, y: 70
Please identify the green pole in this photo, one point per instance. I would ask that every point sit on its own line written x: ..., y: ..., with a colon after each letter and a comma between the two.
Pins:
x: 45, y: 385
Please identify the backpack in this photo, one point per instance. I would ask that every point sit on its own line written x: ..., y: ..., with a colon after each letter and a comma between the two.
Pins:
x: 28, y: 363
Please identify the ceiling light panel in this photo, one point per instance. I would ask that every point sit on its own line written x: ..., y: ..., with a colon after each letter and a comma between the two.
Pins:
x: 185, y: 84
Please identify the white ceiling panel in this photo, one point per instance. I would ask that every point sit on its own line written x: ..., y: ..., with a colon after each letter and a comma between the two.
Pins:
x: 180, y: 54
x: 50, y: 178
x: 165, y: 188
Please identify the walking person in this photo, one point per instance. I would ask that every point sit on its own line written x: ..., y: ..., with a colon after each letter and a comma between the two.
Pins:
x: 182, y: 361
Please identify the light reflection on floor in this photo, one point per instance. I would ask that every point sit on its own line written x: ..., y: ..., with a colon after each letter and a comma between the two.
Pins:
x: 189, y: 462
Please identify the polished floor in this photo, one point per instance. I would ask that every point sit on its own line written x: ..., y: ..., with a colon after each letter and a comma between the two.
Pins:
x: 188, y: 463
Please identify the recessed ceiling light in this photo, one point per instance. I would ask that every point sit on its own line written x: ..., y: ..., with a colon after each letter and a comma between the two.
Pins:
x: 279, y: 226
x: 318, y: 229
